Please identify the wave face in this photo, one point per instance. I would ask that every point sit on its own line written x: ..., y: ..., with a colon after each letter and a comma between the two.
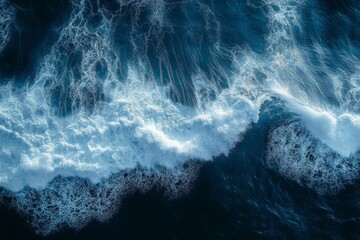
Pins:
x: 111, y: 97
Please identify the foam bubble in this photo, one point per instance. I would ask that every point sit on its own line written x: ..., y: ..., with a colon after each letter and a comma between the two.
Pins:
x: 296, y: 154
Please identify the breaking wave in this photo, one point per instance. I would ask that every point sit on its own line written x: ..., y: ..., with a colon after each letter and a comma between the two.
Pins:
x: 136, y: 93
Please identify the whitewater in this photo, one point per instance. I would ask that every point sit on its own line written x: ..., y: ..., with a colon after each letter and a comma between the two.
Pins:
x: 131, y: 96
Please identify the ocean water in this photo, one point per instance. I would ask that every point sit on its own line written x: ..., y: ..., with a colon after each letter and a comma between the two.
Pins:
x: 192, y: 119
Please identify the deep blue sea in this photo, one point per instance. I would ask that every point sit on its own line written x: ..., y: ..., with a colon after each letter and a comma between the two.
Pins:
x: 179, y: 119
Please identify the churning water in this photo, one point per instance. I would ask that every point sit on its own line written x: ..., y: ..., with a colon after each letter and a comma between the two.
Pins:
x: 99, y: 99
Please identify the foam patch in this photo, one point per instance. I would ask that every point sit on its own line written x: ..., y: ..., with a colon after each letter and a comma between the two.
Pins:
x: 297, y: 155
x: 72, y: 202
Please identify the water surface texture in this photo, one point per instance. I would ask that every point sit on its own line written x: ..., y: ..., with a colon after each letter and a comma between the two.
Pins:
x: 190, y: 119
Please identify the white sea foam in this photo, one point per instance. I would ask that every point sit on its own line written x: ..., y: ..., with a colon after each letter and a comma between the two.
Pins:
x: 113, y: 126
x: 135, y: 124
x: 73, y: 202
x: 134, y: 130
x: 140, y: 125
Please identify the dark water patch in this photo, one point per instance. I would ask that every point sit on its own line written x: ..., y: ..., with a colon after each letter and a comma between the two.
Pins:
x: 242, y: 24
x: 331, y: 23
x: 13, y: 225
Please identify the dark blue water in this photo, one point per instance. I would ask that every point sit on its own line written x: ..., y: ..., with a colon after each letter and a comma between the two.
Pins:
x: 159, y: 119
